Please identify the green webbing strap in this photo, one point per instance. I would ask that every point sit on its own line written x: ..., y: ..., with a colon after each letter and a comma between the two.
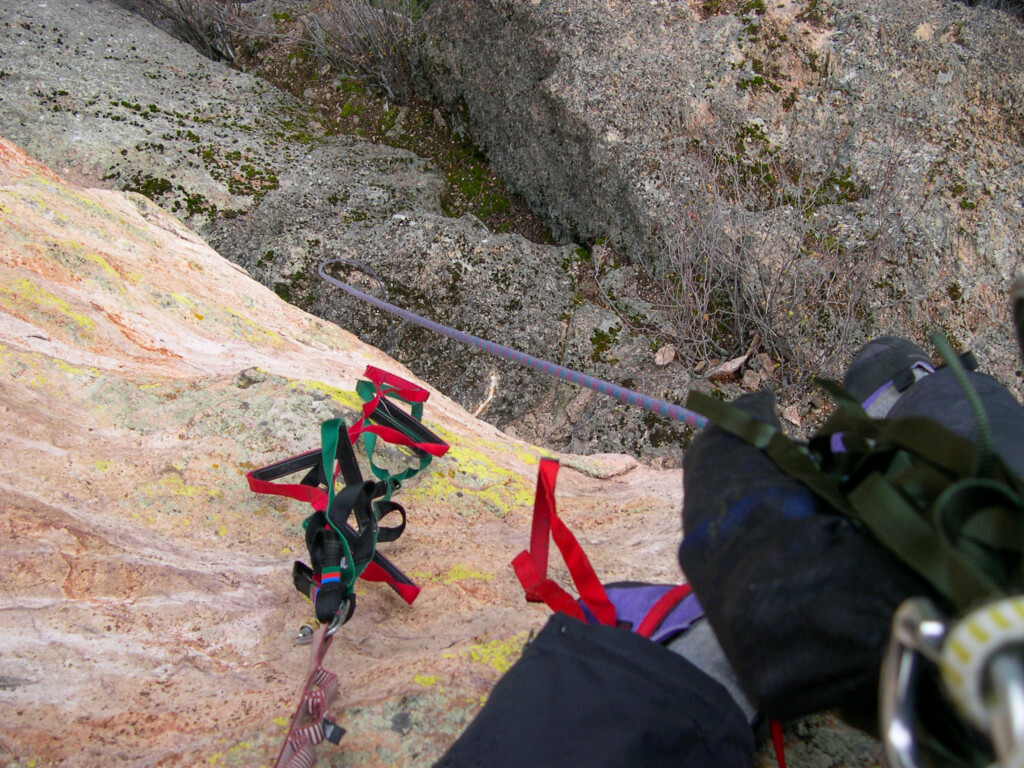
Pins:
x: 927, y: 506
x: 985, y: 456
x: 732, y: 419
x: 982, y: 519
x: 791, y: 457
x: 367, y: 390
x: 931, y: 441
x: 956, y: 568
x: 919, y: 435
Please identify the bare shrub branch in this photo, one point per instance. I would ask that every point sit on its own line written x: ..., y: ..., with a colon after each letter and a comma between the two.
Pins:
x: 369, y: 39
x: 209, y: 26
x: 759, y: 249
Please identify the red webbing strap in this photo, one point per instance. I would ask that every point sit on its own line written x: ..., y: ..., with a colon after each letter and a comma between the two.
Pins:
x: 661, y: 609
x: 303, y: 757
x: 298, y: 744
x: 411, y: 393
x: 316, y: 497
x: 531, y: 566
x: 388, y: 384
x: 405, y: 589
x: 317, y: 701
x: 543, y: 508
x: 395, y: 437
x: 544, y: 590
x: 776, y: 729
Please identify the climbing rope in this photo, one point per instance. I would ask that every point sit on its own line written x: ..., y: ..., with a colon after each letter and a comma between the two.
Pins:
x: 628, y: 396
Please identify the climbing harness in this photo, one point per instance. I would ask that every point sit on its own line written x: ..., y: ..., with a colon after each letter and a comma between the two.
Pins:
x: 343, y: 532
x: 628, y: 396
x: 370, y: 502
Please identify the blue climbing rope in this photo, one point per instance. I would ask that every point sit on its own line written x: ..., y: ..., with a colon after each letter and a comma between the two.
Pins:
x: 628, y: 396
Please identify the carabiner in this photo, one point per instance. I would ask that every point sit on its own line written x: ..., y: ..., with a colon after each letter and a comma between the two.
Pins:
x: 305, y: 634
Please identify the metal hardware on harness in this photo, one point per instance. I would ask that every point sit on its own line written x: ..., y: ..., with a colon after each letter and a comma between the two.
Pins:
x: 1006, y: 675
x: 985, y: 680
x: 305, y: 634
x: 337, y: 621
x: 983, y: 668
x: 917, y: 631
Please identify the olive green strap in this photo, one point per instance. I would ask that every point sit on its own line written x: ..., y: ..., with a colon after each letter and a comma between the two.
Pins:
x: 984, y: 455
x: 956, y: 571
x: 790, y: 457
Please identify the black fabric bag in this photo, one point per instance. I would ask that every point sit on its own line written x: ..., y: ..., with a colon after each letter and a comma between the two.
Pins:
x: 800, y: 599
x: 800, y: 595
x: 591, y: 696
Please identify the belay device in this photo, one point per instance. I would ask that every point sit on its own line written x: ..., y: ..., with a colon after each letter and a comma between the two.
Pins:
x: 343, y: 531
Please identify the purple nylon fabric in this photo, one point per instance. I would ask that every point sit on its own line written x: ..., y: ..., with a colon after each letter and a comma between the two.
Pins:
x: 836, y: 443
x: 633, y: 602
x: 877, y: 393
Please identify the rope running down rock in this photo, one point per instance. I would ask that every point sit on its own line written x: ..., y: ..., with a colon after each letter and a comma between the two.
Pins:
x: 628, y: 396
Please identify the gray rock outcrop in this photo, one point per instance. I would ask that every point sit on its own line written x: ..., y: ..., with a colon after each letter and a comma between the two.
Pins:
x: 148, y: 610
x: 100, y: 94
x: 904, y: 120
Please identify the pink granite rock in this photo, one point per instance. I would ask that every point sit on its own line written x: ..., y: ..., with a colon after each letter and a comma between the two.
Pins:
x: 146, y: 609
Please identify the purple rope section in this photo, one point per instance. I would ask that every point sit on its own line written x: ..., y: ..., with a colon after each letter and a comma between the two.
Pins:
x: 628, y: 396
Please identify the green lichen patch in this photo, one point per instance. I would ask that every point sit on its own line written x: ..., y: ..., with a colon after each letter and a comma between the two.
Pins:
x: 731, y: 7
x: 342, y: 105
x: 345, y: 399
x: 468, y: 479
x: 149, y: 186
x: 241, y: 171
x: 816, y: 14
x: 500, y: 655
x: 602, y: 342
x: 455, y: 573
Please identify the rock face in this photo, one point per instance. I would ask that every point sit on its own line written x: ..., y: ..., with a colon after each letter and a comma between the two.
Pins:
x: 100, y: 94
x: 147, y: 604
x: 903, y: 119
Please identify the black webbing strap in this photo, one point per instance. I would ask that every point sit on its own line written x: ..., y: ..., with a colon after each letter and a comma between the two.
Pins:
x: 312, y: 488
